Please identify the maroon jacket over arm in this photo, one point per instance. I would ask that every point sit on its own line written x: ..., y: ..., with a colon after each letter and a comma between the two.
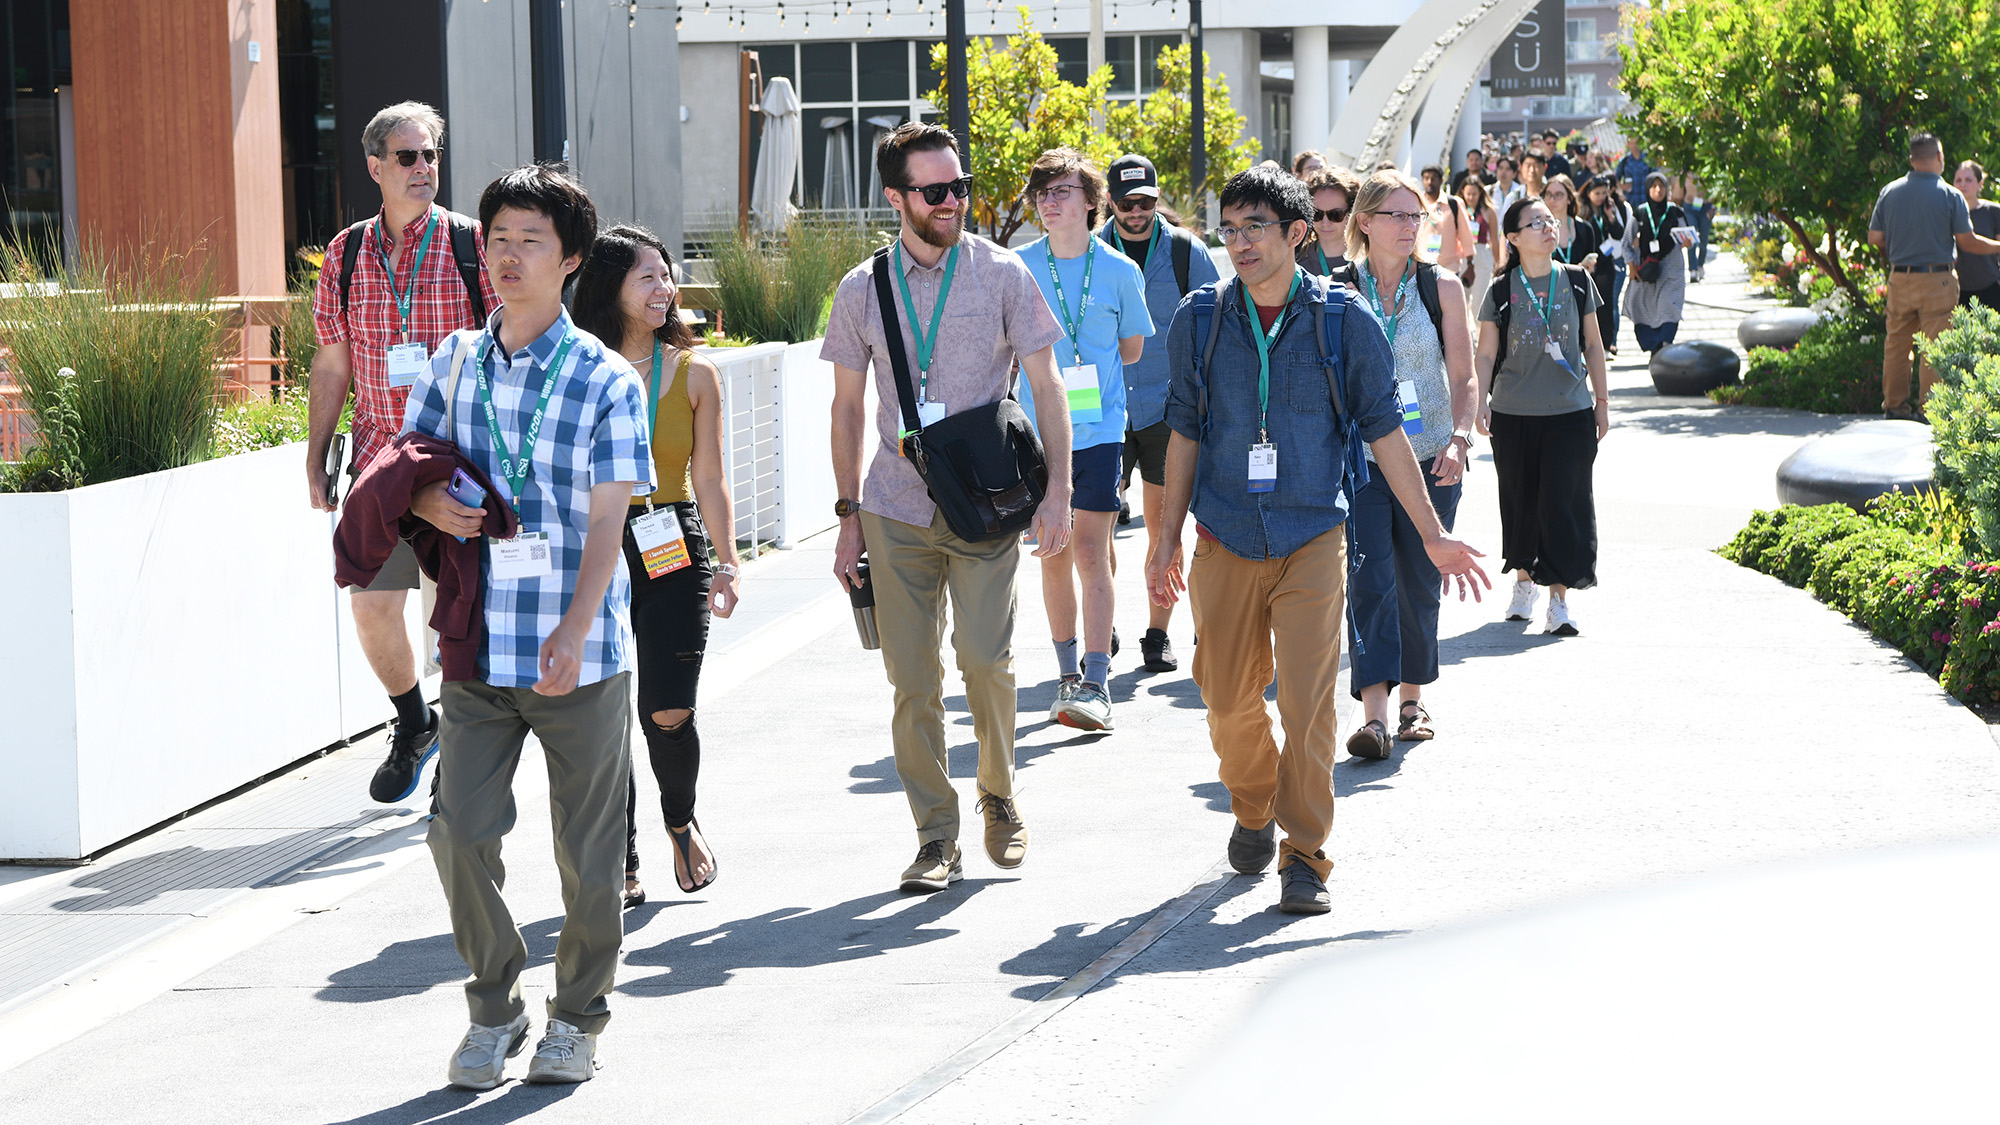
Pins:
x: 377, y: 515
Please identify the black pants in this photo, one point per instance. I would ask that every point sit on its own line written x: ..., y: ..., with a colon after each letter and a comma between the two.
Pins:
x: 1548, y: 518
x: 1989, y: 296
x: 670, y: 633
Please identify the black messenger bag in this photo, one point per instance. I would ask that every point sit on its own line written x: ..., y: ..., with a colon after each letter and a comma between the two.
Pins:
x: 984, y: 466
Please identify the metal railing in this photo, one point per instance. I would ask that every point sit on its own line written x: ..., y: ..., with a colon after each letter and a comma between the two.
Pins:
x: 1580, y: 50
x: 752, y: 453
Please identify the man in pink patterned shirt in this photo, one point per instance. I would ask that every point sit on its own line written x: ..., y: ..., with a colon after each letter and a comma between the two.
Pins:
x: 389, y: 289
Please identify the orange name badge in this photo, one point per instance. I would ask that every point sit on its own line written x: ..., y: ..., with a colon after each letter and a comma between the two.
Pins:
x: 662, y: 546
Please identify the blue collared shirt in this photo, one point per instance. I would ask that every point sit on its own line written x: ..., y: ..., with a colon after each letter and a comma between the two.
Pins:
x: 595, y: 430
x: 1146, y: 379
x: 1312, y: 493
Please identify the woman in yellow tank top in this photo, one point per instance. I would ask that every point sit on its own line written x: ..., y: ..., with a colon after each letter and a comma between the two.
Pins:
x: 625, y: 295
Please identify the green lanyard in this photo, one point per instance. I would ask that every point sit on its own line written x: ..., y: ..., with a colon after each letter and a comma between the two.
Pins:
x: 652, y: 415
x: 1546, y: 305
x: 1372, y: 290
x: 1324, y: 269
x: 926, y: 343
x: 1264, y: 341
x: 1074, y: 326
x: 514, y: 467
x: 423, y: 249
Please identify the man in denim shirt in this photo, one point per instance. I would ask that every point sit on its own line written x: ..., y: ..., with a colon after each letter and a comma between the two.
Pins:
x: 1265, y: 473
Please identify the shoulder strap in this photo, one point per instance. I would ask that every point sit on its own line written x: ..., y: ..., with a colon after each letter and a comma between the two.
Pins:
x: 892, y: 334
x: 1329, y: 308
x: 349, y: 254
x: 1503, y: 311
x: 1207, y: 301
x: 1183, y: 254
x: 451, y: 388
x: 465, y: 248
x: 1427, y: 292
x: 1578, y: 278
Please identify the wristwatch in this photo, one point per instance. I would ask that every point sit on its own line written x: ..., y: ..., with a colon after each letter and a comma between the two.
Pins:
x: 1464, y: 436
x: 845, y: 508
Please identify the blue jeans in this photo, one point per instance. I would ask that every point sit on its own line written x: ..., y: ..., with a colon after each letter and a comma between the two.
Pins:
x: 1703, y: 222
x: 1607, y: 313
x: 1393, y: 591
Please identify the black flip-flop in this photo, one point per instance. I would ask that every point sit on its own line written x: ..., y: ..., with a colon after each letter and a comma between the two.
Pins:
x: 683, y: 840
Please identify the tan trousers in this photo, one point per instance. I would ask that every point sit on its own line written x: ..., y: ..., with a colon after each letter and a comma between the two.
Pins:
x: 1256, y: 618
x: 585, y: 736
x: 912, y: 568
x: 1918, y: 302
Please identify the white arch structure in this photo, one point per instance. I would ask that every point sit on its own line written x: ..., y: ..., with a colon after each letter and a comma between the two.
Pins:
x: 1431, y: 63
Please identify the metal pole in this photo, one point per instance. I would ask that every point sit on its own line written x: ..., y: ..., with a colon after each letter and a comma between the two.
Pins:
x: 955, y: 90
x: 1197, y: 123
x: 545, y: 47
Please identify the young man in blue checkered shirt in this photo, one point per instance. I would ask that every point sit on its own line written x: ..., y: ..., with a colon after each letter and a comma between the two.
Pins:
x: 557, y: 419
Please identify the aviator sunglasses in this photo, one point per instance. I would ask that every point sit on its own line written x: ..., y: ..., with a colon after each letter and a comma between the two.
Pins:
x: 407, y: 157
x: 934, y: 193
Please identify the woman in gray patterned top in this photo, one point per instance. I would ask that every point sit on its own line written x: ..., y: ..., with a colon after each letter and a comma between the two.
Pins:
x: 1394, y: 590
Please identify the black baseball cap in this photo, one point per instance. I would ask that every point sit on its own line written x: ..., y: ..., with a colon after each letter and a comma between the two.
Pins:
x: 1132, y: 174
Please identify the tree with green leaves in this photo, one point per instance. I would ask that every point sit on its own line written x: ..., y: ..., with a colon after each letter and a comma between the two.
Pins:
x: 1803, y: 109
x: 1161, y: 128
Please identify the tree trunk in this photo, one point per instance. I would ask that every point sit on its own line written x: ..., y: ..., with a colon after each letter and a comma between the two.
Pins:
x: 1829, y: 262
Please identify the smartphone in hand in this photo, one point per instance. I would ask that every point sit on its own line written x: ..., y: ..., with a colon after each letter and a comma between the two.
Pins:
x: 466, y: 491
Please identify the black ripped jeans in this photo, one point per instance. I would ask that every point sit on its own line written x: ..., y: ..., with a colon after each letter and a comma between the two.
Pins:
x: 670, y: 633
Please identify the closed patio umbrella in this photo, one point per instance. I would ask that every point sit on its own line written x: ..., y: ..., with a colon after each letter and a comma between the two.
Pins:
x: 777, y: 158
x: 836, y: 188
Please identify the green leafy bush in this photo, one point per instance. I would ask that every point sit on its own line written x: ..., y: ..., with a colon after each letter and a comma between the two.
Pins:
x: 261, y: 424
x: 1972, y: 668
x: 55, y: 462
x: 1835, y: 369
x: 1787, y: 543
x: 1964, y: 410
x: 781, y: 289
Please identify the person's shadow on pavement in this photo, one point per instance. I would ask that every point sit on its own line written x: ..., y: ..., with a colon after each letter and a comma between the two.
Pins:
x: 406, y: 968
x: 796, y: 938
x: 511, y: 1102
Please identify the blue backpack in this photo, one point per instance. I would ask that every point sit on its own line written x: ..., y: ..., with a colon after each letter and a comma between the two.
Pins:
x: 1329, y: 302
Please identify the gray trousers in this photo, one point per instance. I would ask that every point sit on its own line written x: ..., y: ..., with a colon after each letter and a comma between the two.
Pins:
x: 585, y: 737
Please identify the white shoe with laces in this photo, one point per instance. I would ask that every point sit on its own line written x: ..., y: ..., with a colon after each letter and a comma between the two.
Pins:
x: 481, y: 1059
x: 566, y: 1053
x: 1559, y: 621
x: 1522, y: 607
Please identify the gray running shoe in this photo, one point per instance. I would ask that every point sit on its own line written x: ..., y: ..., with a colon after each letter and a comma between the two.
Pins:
x: 1064, y: 691
x: 1087, y: 708
x: 480, y: 1061
x: 567, y: 1053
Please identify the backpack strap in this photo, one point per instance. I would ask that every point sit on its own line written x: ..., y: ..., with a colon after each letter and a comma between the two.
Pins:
x: 1205, y: 309
x: 1183, y: 248
x: 1329, y: 304
x: 351, y: 253
x: 1578, y: 279
x: 465, y: 249
x: 1427, y: 292
x: 451, y: 387
x: 1503, y: 312
x: 892, y: 334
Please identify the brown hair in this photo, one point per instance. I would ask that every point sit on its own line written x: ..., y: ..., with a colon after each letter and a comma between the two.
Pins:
x: 1376, y: 191
x: 1340, y: 179
x: 1059, y: 162
x: 1569, y: 187
x: 1978, y: 169
x: 1299, y: 161
x: 892, y: 156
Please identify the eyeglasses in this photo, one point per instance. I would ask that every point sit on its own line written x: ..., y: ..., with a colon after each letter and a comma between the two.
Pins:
x: 1329, y: 215
x: 1251, y: 232
x: 1540, y: 224
x: 1406, y: 218
x: 934, y: 193
x: 1060, y: 193
x: 1136, y: 203
x: 407, y: 157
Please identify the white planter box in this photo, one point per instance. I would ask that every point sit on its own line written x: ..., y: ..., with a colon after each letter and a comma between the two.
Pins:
x: 805, y: 434
x: 167, y: 638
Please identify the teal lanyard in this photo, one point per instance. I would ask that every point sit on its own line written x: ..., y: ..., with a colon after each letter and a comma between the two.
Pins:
x: 1372, y: 289
x: 514, y: 467
x: 926, y: 342
x: 1546, y: 305
x: 423, y: 249
x: 1074, y: 325
x: 1264, y: 341
x: 1324, y: 269
x: 653, y: 414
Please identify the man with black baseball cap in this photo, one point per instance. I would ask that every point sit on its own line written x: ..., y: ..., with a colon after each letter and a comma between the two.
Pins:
x: 1174, y: 263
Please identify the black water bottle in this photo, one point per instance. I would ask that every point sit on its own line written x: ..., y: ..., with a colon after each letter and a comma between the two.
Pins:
x: 862, y: 597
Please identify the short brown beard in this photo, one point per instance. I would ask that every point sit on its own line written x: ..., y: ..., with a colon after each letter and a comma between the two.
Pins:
x: 928, y: 229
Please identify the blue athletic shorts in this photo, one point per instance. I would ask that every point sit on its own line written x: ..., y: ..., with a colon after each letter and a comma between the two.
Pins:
x: 1094, y: 476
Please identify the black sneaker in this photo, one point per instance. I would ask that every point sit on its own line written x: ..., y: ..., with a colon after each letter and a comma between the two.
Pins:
x: 1114, y: 640
x: 1124, y: 512
x: 396, y: 778
x: 1158, y: 651
x: 1304, y: 891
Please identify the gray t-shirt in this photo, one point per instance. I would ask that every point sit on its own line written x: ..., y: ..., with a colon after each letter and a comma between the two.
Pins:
x: 1918, y: 215
x: 1981, y: 271
x: 1529, y: 381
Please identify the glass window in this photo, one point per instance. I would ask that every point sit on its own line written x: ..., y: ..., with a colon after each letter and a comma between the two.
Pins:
x: 779, y: 60
x: 1580, y: 31
x: 1583, y: 86
x: 1150, y: 47
x: 927, y: 78
x: 1072, y: 60
x: 308, y: 147
x: 829, y: 157
x: 1278, y: 126
x: 827, y: 73
x: 883, y: 69
x: 1118, y: 51
x: 37, y: 40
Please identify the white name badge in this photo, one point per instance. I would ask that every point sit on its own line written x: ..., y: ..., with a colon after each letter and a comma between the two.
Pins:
x: 527, y: 555
x: 1653, y: 247
x: 662, y: 544
x: 1263, y: 467
x: 406, y: 362
x: 928, y: 414
x: 1554, y: 351
x: 1413, y: 418
x: 1086, y: 400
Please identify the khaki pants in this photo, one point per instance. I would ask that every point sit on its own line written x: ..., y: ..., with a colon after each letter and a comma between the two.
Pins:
x: 1254, y: 618
x: 912, y: 568
x: 1918, y: 302
x: 585, y: 737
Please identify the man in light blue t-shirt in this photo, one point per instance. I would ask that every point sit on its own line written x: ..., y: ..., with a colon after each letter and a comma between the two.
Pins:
x: 1099, y: 297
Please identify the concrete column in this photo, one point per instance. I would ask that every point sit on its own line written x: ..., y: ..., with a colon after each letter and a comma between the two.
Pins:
x: 1310, y: 73
x: 1337, y: 80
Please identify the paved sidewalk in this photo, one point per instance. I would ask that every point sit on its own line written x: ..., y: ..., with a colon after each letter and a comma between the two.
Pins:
x: 1707, y: 718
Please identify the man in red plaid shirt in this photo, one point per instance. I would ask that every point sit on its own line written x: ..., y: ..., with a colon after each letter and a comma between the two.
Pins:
x: 376, y: 328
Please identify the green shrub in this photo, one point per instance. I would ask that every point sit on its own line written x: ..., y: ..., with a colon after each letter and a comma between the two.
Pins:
x: 1972, y: 667
x: 142, y: 335
x: 1835, y: 369
x: 1910, y: 599
x: 781, y: 289
x: 1964, y: 410
x: 1787, y: 543
x: 55, y: 462
x: 262, y: 423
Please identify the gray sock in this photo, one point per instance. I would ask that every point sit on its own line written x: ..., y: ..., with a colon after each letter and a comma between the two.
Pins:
x: 1096, y: 668
x: 1066, y: 657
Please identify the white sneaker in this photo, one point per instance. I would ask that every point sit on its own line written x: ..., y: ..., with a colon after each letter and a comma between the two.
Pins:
x: 1087, y: 708
x: 481, y: 1058
x: 565, y: 1054
x: 1558, y: 620
x: 1522, y: 608
x: 1066, y: 689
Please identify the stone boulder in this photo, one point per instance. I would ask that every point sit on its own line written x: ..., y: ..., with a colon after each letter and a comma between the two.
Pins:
x: 1858, y: 462
x: 1693, y: 368
x: 1775, y: 328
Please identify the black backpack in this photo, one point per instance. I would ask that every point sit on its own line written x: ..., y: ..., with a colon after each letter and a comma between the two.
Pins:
x: 1579, y: 285
x: 1180, y: 242
x: 464, y: 249
x: 1427, y: 289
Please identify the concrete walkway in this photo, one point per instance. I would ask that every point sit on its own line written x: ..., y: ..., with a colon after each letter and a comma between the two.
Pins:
x: 1707, y: 718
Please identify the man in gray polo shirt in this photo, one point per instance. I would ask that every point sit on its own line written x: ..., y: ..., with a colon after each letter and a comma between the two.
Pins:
x: 1918, y: 222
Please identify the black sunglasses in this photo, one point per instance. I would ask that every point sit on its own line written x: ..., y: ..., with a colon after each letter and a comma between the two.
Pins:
x: 1136, y: 203
x: 407, y: 157
x: 934, y: 193
x: 1330, y: 214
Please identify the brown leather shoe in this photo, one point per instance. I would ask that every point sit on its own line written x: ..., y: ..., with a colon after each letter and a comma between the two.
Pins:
x: 936, y: 868
x: 1006, y: 836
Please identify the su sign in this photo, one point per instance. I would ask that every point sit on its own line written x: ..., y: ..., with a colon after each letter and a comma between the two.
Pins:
x: 1530, y: 61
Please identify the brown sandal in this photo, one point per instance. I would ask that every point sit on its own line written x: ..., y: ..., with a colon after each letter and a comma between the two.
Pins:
x: 1371, y: 741
x: 1414, y: 728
